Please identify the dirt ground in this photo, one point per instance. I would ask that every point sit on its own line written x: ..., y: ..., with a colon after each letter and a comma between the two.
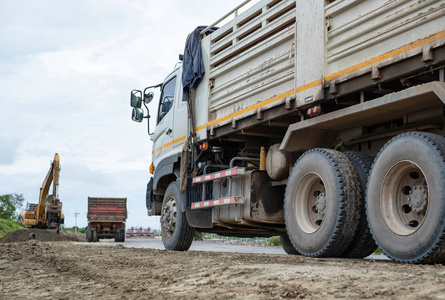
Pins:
x: 43, y: 235
x: 70, y: 270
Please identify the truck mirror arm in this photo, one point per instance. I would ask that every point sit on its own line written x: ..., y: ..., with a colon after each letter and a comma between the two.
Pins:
x: 149, y: 96
x: 148, y: 118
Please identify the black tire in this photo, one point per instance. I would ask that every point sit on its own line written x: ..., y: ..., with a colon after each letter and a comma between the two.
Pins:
x: 89, y: 236
x: 117, y: 237
x: 287, y: 245
x: 95, y: 236
x: 177, y: 234
x: 406, y: 198
x: 321, y: 206
x: 363, y: 243
x: 122, y: 236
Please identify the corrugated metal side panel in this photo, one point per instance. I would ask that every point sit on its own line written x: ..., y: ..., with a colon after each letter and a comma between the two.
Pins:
x: 360, y: 30
x: 107, y: 209
x: 251, y: 59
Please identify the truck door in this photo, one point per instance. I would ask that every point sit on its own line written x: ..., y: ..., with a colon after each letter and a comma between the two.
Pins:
x: 180, y: 121
x: 164, y: 124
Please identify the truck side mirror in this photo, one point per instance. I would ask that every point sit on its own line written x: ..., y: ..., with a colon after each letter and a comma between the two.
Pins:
x: 136, y: 99
x: 148, y: 96
x: 137, y: 115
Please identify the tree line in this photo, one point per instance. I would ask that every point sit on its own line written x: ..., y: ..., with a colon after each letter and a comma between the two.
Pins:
x: 8, y: 205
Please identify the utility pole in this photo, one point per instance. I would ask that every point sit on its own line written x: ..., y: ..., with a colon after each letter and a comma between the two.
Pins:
x: 75, y: 216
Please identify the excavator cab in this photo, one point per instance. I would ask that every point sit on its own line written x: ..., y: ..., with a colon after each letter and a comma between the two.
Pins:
x: 28, y: 217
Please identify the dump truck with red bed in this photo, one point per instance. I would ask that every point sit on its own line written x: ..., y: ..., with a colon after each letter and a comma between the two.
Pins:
x: 106, y: 218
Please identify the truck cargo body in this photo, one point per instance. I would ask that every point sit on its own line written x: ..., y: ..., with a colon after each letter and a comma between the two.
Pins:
x: 304, y: 52
x: 106, y: 218
x: 335, y: 92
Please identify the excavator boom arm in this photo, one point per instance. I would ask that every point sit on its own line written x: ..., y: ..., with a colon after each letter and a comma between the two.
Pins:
x: 51, y: 177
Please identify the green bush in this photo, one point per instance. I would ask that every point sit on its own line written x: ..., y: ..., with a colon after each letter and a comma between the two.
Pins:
x: 79, y: 229
x: 274, y: 241
x: 6, y: 207
x: 198, y: 236
x: 8, y: 226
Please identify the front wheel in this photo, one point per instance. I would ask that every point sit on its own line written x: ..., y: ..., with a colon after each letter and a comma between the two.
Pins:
x: 177, y: 234
x: 287, y: 245
x: 406, y: 198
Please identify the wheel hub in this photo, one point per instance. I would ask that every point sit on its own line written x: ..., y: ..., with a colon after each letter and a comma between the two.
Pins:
x: 404, y: 198
x: 320, y: 203
x: 418, y: 197
x: 311, y: 203
x: 169, y: 217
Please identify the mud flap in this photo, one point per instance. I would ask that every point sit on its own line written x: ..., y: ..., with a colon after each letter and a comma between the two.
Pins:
x: 201, y: 218
x: 185, y: 159
x: 149, y: 201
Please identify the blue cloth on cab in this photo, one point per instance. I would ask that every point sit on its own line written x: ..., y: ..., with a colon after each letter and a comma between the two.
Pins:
x: 192, y: 65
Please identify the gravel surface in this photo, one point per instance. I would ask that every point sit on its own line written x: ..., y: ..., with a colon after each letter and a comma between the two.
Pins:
x: 70, y: 270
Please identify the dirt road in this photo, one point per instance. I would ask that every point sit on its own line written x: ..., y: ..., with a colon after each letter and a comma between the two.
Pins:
x: 70, y: 270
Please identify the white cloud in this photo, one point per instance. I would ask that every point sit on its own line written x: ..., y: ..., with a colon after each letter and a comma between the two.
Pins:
x: 8, y: 149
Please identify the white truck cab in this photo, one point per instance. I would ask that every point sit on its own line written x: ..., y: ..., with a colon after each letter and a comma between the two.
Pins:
x: 170, y: 131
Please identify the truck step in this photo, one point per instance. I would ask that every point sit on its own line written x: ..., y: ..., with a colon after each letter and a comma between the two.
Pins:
x: 217, y: 175
x: 219, y: 202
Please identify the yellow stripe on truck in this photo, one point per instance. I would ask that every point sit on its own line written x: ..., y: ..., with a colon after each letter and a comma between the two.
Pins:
x: 180, y: 139
x: 250, y: 108
x: 387, y: 55
x: 175, y: 141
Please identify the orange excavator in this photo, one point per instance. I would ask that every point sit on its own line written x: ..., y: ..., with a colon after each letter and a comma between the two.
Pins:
x: 48, y: 212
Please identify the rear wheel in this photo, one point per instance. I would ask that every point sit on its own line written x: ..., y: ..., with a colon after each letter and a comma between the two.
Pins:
x: 117, y: 237
x: 89, y: 236
x: 176, y: 232
x: 406, y: 198
x: 363, y: 243
x: 322, y: 206
x: 95, y: 236
x: 122, y: 236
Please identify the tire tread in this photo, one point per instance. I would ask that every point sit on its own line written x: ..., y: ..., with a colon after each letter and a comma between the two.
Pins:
x: 363, y: 243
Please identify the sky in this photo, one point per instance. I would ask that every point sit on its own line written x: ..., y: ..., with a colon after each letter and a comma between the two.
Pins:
x: 66, y: 72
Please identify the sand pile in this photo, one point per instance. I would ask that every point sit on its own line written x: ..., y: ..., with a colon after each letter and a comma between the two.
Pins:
x: 43, y: 235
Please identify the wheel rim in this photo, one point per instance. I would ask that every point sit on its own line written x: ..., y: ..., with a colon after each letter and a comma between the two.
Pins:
x: 404, y: 198
x: 169, y: 216
x: 310, y: 203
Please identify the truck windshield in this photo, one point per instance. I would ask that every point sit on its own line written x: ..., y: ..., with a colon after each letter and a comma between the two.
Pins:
x: 167, y: 98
